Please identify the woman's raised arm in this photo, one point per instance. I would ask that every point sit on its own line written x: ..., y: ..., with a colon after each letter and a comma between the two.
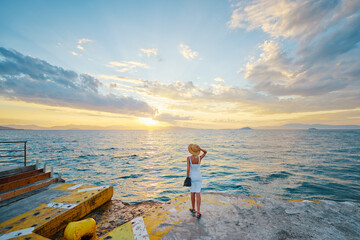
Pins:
x: 204, y: 153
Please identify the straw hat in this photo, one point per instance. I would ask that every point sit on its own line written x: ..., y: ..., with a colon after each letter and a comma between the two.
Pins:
x: 194, y: 149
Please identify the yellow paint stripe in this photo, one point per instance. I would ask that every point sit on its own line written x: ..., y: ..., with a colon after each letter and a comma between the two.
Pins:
x: 301, y: 200
x: 252, y: 202
x: 296, y: 200
x: 32, y: 236
x: 257, y: 196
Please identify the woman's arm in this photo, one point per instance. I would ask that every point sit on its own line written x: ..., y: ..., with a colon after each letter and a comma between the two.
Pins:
x: 204, y: 153
x: 188, y: 167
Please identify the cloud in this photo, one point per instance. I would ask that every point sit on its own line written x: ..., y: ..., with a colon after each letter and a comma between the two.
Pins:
x: 126, y: 66
x: 221, y: 98
x: 299, y: 19
x: 313, y: 54
x: 189, y: 93
x: 150, y: 51
x: 187, y: 52
x: 84, y: 40
x: 341, y: 40
x: 219, y: 79
x: 166, y: 117
x: 34, y: 80
x: 176, y: 91
x: 122, y: 79
x: 80, y: 46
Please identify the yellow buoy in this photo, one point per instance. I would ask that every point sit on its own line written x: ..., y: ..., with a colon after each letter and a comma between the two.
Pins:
x: 84, y: 229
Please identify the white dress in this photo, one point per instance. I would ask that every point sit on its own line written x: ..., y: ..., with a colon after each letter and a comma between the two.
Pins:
x: 195, y: 175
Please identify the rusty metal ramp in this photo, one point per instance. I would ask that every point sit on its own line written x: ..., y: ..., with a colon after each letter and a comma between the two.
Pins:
x: 36, y: 206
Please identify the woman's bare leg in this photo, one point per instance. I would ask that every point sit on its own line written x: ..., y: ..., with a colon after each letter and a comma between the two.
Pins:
x: 198, y: 202
x: 193, y: 200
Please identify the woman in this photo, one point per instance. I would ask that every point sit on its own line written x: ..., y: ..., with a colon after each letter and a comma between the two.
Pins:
x: 193, y: 171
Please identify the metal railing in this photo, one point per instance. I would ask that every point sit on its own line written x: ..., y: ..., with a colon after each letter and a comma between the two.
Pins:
x: 12, y: 153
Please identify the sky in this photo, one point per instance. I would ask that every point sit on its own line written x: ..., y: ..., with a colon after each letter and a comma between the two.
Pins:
x: 137, y: 64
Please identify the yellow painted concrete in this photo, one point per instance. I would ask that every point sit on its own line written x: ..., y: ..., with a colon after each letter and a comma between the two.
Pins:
x: 257, y: 196
x: 160, y: 215
x: 214, y: 201
x: 152, y: 221
x: 123, y: 232
x: 48, y: 220
x: 251, y: 202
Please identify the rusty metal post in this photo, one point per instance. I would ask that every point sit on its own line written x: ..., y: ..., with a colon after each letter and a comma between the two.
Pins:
x: 25, y: 153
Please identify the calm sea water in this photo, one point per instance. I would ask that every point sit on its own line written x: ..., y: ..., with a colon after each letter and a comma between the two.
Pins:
x: 151, y: 165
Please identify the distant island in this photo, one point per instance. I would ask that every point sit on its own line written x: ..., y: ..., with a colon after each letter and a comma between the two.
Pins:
x: 246, y: 128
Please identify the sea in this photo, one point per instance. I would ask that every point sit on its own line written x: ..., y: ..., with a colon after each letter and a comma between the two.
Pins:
x: 151, y: 165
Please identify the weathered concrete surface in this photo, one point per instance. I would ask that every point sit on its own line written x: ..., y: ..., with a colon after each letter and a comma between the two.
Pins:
x: 230, y: 216
x: 113, y: 214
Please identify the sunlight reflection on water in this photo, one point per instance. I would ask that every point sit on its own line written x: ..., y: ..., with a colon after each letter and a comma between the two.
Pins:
x: 151, y: 165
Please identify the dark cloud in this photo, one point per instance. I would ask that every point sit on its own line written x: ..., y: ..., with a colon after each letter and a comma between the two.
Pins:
x: 325, y: 57
x: 33, y: 80
x: 334, y: 44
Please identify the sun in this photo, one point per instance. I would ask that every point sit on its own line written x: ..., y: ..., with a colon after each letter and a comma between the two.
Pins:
x: 149, y: 122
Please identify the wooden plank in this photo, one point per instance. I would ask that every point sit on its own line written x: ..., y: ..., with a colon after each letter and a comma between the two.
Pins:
x: 17, y: 170
x: 20, y: 176
x: 26, y: 189
x: 22, y: 182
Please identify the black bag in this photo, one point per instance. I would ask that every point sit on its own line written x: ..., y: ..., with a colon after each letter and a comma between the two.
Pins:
x: 187, y: 182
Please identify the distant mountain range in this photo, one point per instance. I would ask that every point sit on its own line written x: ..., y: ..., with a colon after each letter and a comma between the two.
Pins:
x: 75, y: 127
x: 8, y: 128
x: 86, y: 127
x: 316, y: 126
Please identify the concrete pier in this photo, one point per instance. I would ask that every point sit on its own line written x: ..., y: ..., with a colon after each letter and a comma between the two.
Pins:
x: 234, y: 216
x: 43, y: 214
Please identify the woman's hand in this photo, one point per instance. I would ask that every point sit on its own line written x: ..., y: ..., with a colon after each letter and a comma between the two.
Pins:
x: 203, y: 150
